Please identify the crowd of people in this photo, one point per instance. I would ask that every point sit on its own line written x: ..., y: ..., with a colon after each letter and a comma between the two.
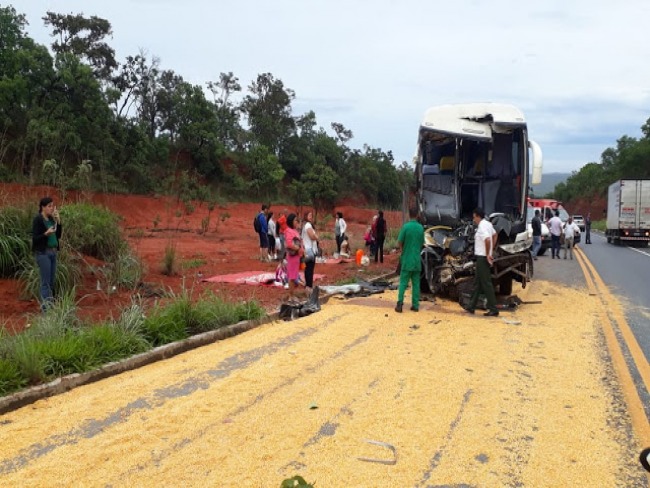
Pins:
x: 562, y: 234
x: 295, y: 244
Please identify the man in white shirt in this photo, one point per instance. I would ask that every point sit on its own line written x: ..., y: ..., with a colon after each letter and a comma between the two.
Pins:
x: 555, y: 227
x: 484, y: 244
x: 570, y: 230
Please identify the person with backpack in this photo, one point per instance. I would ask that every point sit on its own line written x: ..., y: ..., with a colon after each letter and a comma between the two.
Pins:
x: 260, y: 225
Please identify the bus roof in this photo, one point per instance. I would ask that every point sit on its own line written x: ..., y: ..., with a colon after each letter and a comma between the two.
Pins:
x: 471, y: 119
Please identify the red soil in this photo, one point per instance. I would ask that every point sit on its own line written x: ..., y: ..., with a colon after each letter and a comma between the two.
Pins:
x: 151, y: 223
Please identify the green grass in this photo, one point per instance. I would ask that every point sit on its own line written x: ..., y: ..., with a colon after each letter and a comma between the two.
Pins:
x: 59, y: 343
x: 92, y: 230
x: 193, y: 263
x: 15, y: 237
x: 599, y: 225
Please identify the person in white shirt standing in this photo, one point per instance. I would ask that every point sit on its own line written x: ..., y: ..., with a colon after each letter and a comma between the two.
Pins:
x: 555, y: 226
x: 339, y: 231
x: 310, y: 242
x: 570, y: 230
x: 484, y: 243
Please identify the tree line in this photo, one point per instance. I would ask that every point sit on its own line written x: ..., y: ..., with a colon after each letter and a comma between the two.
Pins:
x: 629, y: 159
x: 73, y: 115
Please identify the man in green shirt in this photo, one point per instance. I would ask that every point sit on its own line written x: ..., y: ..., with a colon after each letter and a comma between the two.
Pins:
x: 410, y: 241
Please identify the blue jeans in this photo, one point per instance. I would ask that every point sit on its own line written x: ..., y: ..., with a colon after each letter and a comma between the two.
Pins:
x: 555, y: 245
x: 46, y: 262
x: 537, y: 244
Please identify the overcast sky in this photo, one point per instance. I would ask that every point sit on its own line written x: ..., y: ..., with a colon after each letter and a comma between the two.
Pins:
x: 578, y: 69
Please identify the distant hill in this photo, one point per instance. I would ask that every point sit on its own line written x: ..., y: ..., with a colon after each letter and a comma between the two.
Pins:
x: 549, y: 180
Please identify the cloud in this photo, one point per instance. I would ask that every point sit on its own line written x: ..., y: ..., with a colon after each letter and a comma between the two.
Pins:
x: 576, y: 69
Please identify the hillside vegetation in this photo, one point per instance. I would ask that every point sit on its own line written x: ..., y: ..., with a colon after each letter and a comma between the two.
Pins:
x: 587, y: 188
x: 73, y: 116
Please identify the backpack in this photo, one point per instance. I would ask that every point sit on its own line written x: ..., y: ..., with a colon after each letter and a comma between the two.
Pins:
x: 256, y: 224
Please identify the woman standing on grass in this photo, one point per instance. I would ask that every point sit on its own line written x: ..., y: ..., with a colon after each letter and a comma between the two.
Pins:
x: 46, y: 235
x: 294, y: 252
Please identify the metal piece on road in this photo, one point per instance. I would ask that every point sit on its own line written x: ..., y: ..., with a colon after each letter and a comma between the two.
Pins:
x: 381, y: 461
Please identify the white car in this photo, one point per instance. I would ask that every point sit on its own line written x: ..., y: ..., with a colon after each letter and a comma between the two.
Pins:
x: 580, y: 222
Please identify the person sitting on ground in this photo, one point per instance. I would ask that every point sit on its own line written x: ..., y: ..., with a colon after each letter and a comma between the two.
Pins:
x: 345, y: 248
x: 281, y: 278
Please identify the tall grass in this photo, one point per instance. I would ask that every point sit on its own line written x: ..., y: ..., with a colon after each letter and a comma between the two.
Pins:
x: 92, y: 230
x: 15, y: 237
x: 68, y: 274
x: 59, y: 343
x: 170, y: 260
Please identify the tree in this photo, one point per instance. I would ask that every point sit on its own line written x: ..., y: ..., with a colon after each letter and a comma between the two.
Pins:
x: 265, y: 171
x: 268, y: 109
x: 320, y: 183
x: 25, y: 82
x: 229, y: 130
x: 83, y: 37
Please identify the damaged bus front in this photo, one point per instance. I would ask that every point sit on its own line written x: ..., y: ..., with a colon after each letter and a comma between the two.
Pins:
x: 468, y: 156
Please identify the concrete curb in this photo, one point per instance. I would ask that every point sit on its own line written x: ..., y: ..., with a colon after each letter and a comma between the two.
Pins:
x: 66, y: 383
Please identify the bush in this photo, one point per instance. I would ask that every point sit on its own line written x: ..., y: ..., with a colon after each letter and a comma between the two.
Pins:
x: 92, y: 230
x: 166, y: 324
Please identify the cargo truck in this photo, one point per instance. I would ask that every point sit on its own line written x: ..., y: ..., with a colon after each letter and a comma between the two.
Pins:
x: 468, y: 156
x: 628, y: 212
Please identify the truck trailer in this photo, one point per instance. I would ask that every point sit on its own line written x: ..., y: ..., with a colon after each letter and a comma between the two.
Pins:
x: 628, y: 212
x: 468, y: 156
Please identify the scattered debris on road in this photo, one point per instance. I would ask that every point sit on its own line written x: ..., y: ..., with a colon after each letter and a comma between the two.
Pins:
x: 381, y: 461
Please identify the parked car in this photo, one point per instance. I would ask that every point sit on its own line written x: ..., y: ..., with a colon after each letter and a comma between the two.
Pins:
x: 580, y: 222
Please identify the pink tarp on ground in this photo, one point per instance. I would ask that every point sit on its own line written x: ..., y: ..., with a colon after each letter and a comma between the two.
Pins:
x: 249, y: 278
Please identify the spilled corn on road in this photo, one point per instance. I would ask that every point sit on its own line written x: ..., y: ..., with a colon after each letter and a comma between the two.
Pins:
x: 525, y: 399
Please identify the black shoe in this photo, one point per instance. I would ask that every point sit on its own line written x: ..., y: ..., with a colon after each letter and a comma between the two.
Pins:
x: 398, y: 307
x: 413, y: 309
x: 469, y: 310
x: 492, y: 313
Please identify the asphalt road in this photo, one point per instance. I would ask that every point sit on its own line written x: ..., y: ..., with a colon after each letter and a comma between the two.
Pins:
x: 524, y: 399
x: 625, y: 270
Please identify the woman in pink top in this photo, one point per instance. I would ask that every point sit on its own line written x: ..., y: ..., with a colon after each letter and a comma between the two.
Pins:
x: 294, y: 252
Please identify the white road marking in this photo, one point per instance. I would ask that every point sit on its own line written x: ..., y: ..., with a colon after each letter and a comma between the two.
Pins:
x: 639, y: 251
